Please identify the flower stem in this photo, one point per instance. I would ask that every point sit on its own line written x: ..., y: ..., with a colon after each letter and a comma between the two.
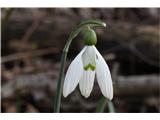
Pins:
x: 102, y: 104
x: 111, y: 107
x: 74, y: 33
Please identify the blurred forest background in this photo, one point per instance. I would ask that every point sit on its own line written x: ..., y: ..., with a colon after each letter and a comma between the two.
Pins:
x: 32, y: 43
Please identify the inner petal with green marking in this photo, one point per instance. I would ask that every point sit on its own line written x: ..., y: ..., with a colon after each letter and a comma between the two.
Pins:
x: 89, y: 59
x: 89, y: 66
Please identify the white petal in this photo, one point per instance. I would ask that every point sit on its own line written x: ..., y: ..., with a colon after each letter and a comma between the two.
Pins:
x: 73, y: 74
x: 103, y: 76
x: 89, y: 58
x: 86, y: 82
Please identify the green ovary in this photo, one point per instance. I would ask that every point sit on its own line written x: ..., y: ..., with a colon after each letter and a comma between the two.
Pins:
x: 90, y: 37
x: 89, y: 66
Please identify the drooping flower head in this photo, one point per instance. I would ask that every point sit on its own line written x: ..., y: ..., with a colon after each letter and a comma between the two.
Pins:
x: 88, y: 63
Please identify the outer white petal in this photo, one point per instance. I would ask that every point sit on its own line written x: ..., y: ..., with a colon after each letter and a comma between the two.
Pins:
x: 103, y: 76
x: 86, y: 82
x: 73, y: 74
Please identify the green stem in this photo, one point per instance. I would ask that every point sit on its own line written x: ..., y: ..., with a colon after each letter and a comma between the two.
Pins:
x: 102, y: 104
x: 111, y: 107
x: 74, y: 33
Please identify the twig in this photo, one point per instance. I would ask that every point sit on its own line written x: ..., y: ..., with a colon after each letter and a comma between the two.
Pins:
x: 9, y: 11
x: 22, y: 55
x: 30, y: 31
x: 37, y: 20
x: 139, y: 54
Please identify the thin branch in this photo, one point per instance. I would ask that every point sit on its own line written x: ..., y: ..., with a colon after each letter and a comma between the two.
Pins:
x: 9, y: 12
x: 22, y: 55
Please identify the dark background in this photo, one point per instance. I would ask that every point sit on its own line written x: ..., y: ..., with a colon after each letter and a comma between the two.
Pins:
x: 32, y: 43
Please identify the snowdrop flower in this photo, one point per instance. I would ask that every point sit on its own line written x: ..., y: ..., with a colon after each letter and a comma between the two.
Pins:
x: 88, y: 63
